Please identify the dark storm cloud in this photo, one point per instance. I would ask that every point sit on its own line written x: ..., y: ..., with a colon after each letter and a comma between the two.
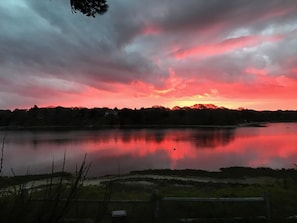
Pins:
x: 200, y: 14
x: 53, y: 40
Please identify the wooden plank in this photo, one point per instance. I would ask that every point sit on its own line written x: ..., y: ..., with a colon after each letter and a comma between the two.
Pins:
x: 92, y: 201
x: 220, y: 219
x: 214, y: 199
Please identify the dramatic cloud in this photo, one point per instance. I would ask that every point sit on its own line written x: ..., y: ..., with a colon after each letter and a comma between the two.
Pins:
x: 231, y: 53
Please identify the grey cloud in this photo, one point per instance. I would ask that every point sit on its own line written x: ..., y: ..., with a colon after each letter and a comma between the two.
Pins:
x: 76, y: 44
x: 189, y: 21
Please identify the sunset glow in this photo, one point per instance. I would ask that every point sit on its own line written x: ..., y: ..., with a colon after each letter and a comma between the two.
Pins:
x: 169, y: 53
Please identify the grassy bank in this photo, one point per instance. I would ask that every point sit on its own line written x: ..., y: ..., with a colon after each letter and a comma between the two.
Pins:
x: 139, y: 191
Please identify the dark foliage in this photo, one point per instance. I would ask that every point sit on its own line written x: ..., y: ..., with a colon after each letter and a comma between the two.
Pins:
x: 228, y: 172
x: 78, y: 118
x: 89, y: 7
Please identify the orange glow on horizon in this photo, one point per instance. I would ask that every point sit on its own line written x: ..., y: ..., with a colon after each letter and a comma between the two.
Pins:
x: 259, y: 90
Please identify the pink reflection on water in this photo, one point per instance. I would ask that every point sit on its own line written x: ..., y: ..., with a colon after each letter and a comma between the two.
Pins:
x: 273, y: 146
x: 143, y: 144
x: 111, y: 151
x: 177, y: 144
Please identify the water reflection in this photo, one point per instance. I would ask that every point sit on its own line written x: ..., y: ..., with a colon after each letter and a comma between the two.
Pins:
x: 114, y: 151
x: 202, y: 138
x: 213, y: 138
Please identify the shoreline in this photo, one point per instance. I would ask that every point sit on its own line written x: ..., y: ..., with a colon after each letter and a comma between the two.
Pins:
x: 152, y: 126
x: 235, y: 174
x: 123, y: 127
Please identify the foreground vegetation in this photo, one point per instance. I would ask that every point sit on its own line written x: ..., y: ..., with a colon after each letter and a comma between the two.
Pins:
x: 77, y: 197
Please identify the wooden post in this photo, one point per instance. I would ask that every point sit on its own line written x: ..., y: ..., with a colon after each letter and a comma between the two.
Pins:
x: 157, y: 209
x: 267, y: 203
x: 24, y: 195
x: 156, y: 202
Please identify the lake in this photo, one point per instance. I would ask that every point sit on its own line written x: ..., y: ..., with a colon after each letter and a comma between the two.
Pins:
x: 117, y: 151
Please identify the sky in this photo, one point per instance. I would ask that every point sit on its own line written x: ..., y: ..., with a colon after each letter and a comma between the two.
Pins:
x: 231, y: 53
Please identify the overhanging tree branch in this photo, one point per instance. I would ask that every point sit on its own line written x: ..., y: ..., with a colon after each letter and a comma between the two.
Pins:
x: 89, y: 7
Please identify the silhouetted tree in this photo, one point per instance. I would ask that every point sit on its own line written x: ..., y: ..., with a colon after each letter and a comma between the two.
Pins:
x: 89, y: 7
x: 98, y: 117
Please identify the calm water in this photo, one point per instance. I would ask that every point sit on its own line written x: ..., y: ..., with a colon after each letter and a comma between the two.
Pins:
x: 120, y: 151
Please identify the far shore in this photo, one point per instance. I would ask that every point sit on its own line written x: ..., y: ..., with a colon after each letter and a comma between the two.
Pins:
x: 89, y: 127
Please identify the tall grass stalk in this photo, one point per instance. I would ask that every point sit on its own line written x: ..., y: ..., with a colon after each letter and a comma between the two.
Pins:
x: 2, y: 155
x: 19, y: 206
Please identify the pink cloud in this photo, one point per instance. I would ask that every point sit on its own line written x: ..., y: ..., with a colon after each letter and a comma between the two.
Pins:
x: 225, y: 46
x: 150, y: 30
x: 256, y: 71
x: 277, y: 12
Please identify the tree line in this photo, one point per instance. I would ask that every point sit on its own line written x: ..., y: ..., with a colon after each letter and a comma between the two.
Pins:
x: 144, y: 117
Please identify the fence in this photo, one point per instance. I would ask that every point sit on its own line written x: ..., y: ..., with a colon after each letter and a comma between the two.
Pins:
x: 180, y: 209
x: 231, y: 213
